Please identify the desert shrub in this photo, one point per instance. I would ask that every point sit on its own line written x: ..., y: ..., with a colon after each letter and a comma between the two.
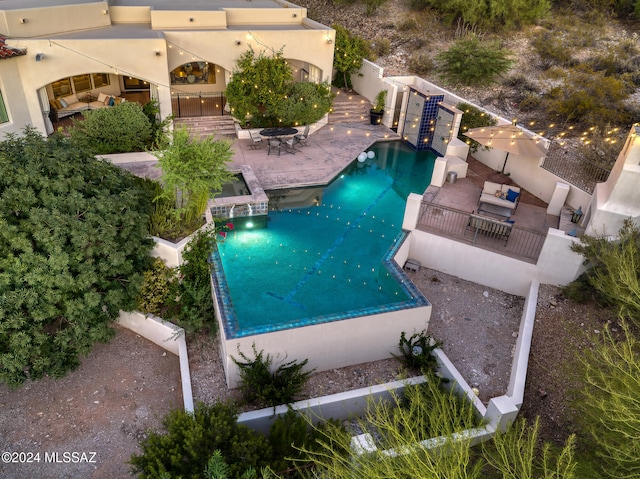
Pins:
x: 551, y: 49
x: 408, y: 23
x: 488, y: 14
x: 381, y: 46
x: 530, y: 102
x: 118, y: 129
x: 190, y: 439
x: 371, y: 6
x: 589, y: 98
x: 608, y: 407
x: 473, y: 117
x: 613, y: 272
x: 421, y: 63
x: 415, y: 352
x: 471, y: 61
x: 265, y: 384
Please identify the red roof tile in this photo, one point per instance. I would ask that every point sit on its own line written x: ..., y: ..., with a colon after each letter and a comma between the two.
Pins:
x: 8, y: 52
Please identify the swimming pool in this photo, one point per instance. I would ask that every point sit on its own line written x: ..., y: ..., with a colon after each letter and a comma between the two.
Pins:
x: 325, y: 253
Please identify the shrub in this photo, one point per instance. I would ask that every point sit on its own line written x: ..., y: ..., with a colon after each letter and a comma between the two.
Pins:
x: 196, y: 310
x: 303, y: 104
x: 471, y: 61
x: 267, y: 386
x: 381, y: 46
x: 73, y: 248
x: 589, y: 98
x: 551, y: 49
x: 473, y: 117
x: 118, y: 129
x: 408, y: 23
x: 415, y: 352
x: 157, y: 289
x: 190, y: 439
x: 159, y: 128
x: 421, y: 63
x: 488, y: 14
x: 371, y: 6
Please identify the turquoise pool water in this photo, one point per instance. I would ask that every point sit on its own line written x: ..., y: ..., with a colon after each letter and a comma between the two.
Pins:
x: 325, y: 252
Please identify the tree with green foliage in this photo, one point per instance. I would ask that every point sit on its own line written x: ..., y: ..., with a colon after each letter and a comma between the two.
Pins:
x: 613, y: 271
x: 488, y: 14
x: 263, y: 92
x: 349, y: 54
x: 159, y: 128
x: 609, y: 409
x: 473, y: 117
x: 118, y: 129
x: 190, y: 439
x: 73, y: 247
x: 471, y: 61
x: 193, y: 169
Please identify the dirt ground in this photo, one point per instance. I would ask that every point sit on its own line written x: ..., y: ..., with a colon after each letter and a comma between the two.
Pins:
x: 102, y: 409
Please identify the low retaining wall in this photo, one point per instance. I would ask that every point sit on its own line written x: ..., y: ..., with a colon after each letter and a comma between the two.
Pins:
x: 168, y: 336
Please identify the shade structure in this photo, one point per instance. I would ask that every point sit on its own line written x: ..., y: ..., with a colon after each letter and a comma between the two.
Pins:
x: 510, y: 138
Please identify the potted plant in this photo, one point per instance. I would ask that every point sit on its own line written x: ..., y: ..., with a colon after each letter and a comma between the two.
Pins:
x: 377, y: 110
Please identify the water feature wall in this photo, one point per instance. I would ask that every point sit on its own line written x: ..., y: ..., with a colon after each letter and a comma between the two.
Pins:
x: 255, y: 203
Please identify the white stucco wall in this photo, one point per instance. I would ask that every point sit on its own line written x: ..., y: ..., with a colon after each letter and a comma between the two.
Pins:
x: 331, y: 345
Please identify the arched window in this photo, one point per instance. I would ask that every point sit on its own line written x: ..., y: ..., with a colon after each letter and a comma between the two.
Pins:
x: 193, y: 73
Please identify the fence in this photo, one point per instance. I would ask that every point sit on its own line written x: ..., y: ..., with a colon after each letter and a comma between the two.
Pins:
x: 187, y: 105
x: 521, y: 243
x: 579, y: 172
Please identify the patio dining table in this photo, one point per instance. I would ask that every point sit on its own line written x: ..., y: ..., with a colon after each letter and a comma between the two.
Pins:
x: 278, y: 132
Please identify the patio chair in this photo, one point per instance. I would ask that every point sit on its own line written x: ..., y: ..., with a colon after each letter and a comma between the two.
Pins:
x: 256, y: 141
x: 273, y: 144
x: 290, y: 144
x: 302, y: 137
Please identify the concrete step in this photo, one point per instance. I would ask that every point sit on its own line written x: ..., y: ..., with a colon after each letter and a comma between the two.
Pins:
x: 208, y: 125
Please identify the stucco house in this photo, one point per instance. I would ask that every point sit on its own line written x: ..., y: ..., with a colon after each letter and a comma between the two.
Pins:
x: 78, y: 54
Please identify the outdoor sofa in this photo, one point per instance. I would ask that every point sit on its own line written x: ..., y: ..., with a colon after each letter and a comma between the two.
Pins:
x: 70, y: 105
x: 504, y: 196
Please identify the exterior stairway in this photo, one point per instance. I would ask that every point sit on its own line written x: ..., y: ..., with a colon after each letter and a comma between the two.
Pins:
x: 208, y: 125
x: 349, y: 108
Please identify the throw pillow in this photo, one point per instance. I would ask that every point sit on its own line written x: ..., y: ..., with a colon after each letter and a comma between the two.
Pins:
x: 512, y: 195
x: 55, y: 104
x: 102, y: 97
x: 498, y: 194
x: 112, y: 101
x: 107, y: 100
x: 63, y: 103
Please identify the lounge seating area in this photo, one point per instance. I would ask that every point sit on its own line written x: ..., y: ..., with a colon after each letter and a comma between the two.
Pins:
x: 499, y: 199
x: 70, y: 105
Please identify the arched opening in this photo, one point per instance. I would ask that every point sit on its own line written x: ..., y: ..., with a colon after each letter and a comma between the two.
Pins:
x: 197, y: 89
x: 68, y: 97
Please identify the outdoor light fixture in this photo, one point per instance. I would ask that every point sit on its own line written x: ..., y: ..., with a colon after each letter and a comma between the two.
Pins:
x: 39, y: 57
x: 157, y: 52
x: 105, y: 12
x: 238, y: 42
x: 23, y: 20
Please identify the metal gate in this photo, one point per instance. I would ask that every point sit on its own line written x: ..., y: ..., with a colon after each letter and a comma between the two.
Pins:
x: 187, y: 105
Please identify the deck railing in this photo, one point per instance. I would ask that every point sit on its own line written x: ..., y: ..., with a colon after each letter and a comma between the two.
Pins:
x: 522, y: 243
x: 579, y: 172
